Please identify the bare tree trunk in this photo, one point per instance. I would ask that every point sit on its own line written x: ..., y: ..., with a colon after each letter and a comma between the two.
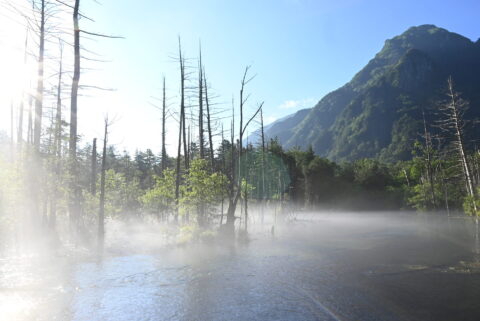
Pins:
x: 39, y: 96
x: 58, y: 115
x: 12, y: 130
x: 200, y: 107
x: 209, y: 124
x: 456, y: 121
x: 101, y: 212
x: 177, y: 180
x: 263, y: 166
x: 186, y: 148
x: 246, y: 194
x: 223, y: 169
x: 201, y: 139
x: 429, y: 167
x: 406, y: 177
x: 233, y: 202
x: 476, y: 167
x: 35, y: 162
x: 50, y: 144
x: 190, y: 154
x: 20, y: 127
x: 424, y: 192
x: 49, y: 205
x: 189, y: 143
x: 181, y: 131
x: 30, y: 121
x: 445, y: 190
x: 93, y: 179
x: 164, y: 149
x: 182, y: 104
x: 57, y: 144
x: 74, y: 190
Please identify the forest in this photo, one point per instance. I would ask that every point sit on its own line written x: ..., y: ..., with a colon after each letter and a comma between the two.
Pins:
x: 212, y: 187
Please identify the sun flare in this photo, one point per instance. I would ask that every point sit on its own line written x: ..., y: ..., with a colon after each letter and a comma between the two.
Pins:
x: 16, y: 69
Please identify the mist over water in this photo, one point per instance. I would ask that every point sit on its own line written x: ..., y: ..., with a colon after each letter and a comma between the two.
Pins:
x: 310, y: 266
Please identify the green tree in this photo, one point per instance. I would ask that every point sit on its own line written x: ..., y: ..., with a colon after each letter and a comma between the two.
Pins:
x: 160, y: 200
x: 201, y: 190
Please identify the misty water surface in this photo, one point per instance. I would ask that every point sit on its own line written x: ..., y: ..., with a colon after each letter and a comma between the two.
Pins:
x: 317, y: 267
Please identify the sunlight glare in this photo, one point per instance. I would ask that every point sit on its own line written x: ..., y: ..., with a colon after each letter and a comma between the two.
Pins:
x: 14, y: 73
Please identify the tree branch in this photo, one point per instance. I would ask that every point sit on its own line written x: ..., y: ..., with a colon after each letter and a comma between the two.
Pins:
x: 254, y: 115
x: 101, y: 35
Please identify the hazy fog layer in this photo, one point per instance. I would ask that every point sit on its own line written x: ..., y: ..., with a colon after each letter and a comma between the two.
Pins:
x: 334, y: 266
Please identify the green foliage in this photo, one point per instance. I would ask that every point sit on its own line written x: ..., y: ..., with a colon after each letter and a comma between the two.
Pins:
x: 121, y: 195
x: 192, y: 232
x: 371, y: 174
x: 161, y: 198
x: 319, y: 177
x: 201, y: 189
x: 468, y: 202
x: 246, y: 188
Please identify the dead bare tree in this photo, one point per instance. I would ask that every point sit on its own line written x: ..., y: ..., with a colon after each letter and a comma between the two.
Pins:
x: 233, y: 199
x: 223, y: 170
x: 200, y: 106
x: 182, y: 103
x: 74, y: 198
x: 101, y: 212
x: 93, y: 179
x: 428, y: 154
x: 39, y: 95
x: 443, y: 180
x: 181, y: 131
x: 20, y: 127
x: 30, y: 121
x: 245, y: 196
x: 190, y: 150
x: 12, y: 130
x: 452, y: 124
x: 74, y: 211
x: 57, y: 143
x: 262, y: 132
x: 209, y: 124
x: 232, y: 168
x: 58, y: 115
x: 164, y: 149
x: 177, y: 171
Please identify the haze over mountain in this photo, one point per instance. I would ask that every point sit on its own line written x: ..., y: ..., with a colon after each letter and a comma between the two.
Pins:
x: 379, y: 112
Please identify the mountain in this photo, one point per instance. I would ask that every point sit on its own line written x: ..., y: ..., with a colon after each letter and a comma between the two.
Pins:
x: 379, y: 112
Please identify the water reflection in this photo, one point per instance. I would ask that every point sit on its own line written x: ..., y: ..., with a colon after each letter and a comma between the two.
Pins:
x: 337, y: 267
x: 126, y: 288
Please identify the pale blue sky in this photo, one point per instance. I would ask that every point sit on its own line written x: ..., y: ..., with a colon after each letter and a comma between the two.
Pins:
x: 299, y: 49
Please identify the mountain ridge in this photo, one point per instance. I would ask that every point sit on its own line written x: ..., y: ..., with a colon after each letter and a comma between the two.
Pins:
x: 377, y: 113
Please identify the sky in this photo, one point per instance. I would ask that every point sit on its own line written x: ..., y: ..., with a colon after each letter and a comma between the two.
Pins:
x: 299, y: 51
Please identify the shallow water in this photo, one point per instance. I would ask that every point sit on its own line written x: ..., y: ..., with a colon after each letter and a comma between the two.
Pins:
x: 318, y: 267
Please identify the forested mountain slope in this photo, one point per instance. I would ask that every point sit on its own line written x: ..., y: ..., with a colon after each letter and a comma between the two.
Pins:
x: 379, y: 112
